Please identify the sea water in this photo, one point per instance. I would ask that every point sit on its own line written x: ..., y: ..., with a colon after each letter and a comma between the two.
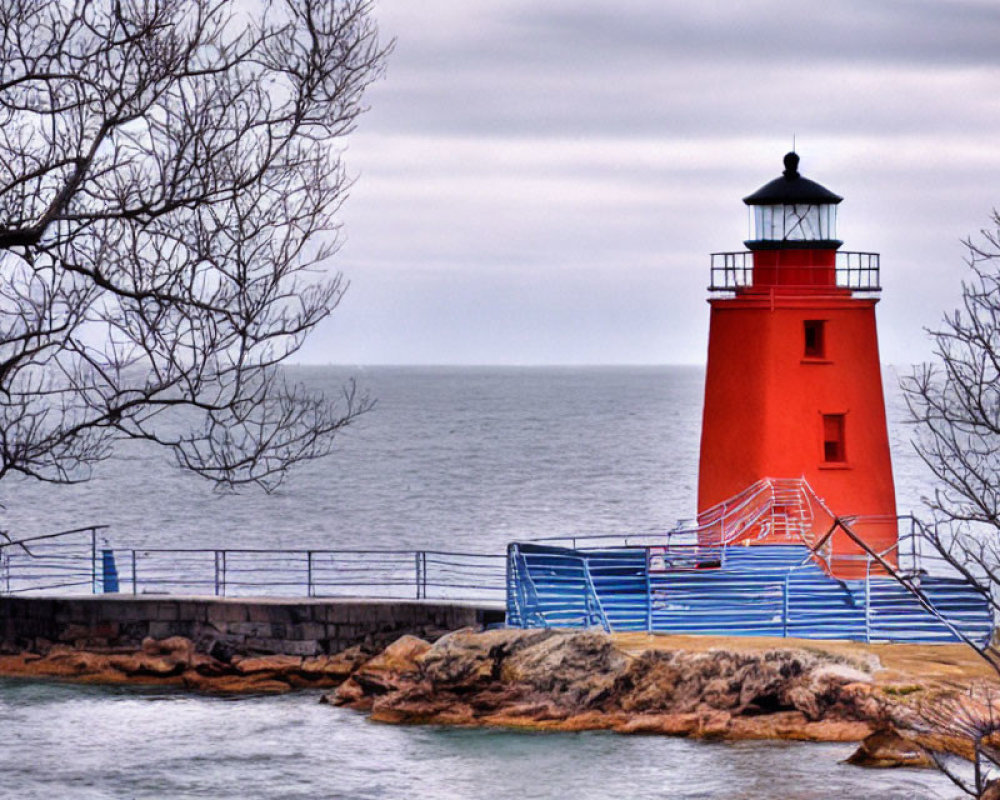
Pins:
x: 452, y: 458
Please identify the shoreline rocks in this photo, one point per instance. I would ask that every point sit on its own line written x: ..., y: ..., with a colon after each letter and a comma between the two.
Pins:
x: 552, y: 680
x: 549, y: 680
x: 175, y: 662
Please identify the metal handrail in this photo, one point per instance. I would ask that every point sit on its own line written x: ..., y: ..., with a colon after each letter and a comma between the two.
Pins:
x: 45, y: 536
x: 857, y: 271
x: 72, y: 560
x: 61, y: 560
x: 913, y: 588
x: 527, y: 607
x: 593, y: 597
x: 737, y: 516
x: 69, y: 560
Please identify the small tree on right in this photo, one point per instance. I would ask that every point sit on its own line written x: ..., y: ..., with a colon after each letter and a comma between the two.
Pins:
x: 954, y: 405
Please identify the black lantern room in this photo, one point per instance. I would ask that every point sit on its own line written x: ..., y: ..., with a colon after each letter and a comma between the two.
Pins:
x: 793, y: 212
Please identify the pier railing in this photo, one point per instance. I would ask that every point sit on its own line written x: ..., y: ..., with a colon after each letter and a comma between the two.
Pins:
x: 78, y: 562
x: 67, y: 561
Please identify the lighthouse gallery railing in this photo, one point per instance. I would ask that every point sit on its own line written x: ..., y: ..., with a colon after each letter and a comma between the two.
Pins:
x: 854, y: 270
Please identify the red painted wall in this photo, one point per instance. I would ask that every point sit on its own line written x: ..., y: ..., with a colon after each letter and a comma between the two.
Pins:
x: 765, y: 401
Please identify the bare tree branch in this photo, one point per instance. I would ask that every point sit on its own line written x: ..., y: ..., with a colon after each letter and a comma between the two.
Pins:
x: 170, y: 174
x: 954, y: 406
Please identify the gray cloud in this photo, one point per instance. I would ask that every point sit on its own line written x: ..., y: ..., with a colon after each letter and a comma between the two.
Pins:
x: 543, y: 182
x: 876, y: 32
x: 655, y: 68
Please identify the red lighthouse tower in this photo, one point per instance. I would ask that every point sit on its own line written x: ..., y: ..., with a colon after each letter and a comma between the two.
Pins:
x: 793, y: 387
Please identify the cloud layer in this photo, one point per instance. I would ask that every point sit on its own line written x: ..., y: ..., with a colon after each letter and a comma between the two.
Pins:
x: 543, y: 182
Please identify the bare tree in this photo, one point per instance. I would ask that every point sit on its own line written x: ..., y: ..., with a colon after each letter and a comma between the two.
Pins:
x: 169, y: 175
x: 956, y: 404
x: 955, y: 407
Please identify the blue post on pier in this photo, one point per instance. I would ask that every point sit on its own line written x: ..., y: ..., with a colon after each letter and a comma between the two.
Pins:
x: 109, y: 571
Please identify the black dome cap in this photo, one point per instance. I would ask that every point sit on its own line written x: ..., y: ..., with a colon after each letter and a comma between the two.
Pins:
x: 791, y: 189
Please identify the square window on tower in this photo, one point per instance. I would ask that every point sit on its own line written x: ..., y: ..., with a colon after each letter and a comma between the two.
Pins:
x: 815, y: 339
x: 834, y: 450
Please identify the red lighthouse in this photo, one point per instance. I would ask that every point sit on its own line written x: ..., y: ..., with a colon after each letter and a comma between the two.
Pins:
x: 793, y: 387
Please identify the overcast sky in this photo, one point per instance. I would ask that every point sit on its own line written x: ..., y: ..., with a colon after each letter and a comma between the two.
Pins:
x: 543, y: 182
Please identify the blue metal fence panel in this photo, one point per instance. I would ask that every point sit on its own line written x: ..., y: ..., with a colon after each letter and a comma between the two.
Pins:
x: 763, y: 590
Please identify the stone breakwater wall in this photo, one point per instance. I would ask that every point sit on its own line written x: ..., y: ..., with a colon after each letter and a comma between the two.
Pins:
x: 223, y: 627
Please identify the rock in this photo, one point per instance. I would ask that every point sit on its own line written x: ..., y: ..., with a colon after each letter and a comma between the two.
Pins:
x: 158, y: 658
x: 839, y: 674
x: 575, y: 670
x: 175, y: 662
x: 234, y: 684
x: 739, y: 683
x: 465, y: 659
x: 143, y: 664
x: 837, y: 730
x: 836, y: 689
x: 417, y: 707
x: 649, y: 684
x: 65, y: 662
x: 725, y: 693
x: 549, y: 679
x: 350, y: 693
x: 402, y: 656
x: 393, y: 667
x: 179, y: 648
x: 665, y: 724
x: 335, y: 667
x: 779, y: 725
x: 208, y: 666
x: 16, y: 664
x: 274, y: 665
x: 713, y: 724
x: 585, y: 721
x: 805, y: 700
x: 887, y: 748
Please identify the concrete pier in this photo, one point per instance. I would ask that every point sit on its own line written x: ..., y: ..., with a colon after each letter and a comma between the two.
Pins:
x: 222, y: 626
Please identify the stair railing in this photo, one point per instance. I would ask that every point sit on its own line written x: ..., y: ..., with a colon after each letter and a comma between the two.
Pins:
x: 526, y: 598
x: 592, y: 602
x: 913, y: 587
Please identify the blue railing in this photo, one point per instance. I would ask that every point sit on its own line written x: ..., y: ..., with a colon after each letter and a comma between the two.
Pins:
x: 853, y: 270
x: 677, y: 585
x: 76, y: 562
x: 763, y: 590
x: 66, y: 561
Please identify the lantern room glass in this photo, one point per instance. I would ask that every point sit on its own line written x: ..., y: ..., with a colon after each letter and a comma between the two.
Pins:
x: 797, y: 223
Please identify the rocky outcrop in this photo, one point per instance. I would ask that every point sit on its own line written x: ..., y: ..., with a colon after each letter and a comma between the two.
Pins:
x: 580, y: 681
x: 175, y: 661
